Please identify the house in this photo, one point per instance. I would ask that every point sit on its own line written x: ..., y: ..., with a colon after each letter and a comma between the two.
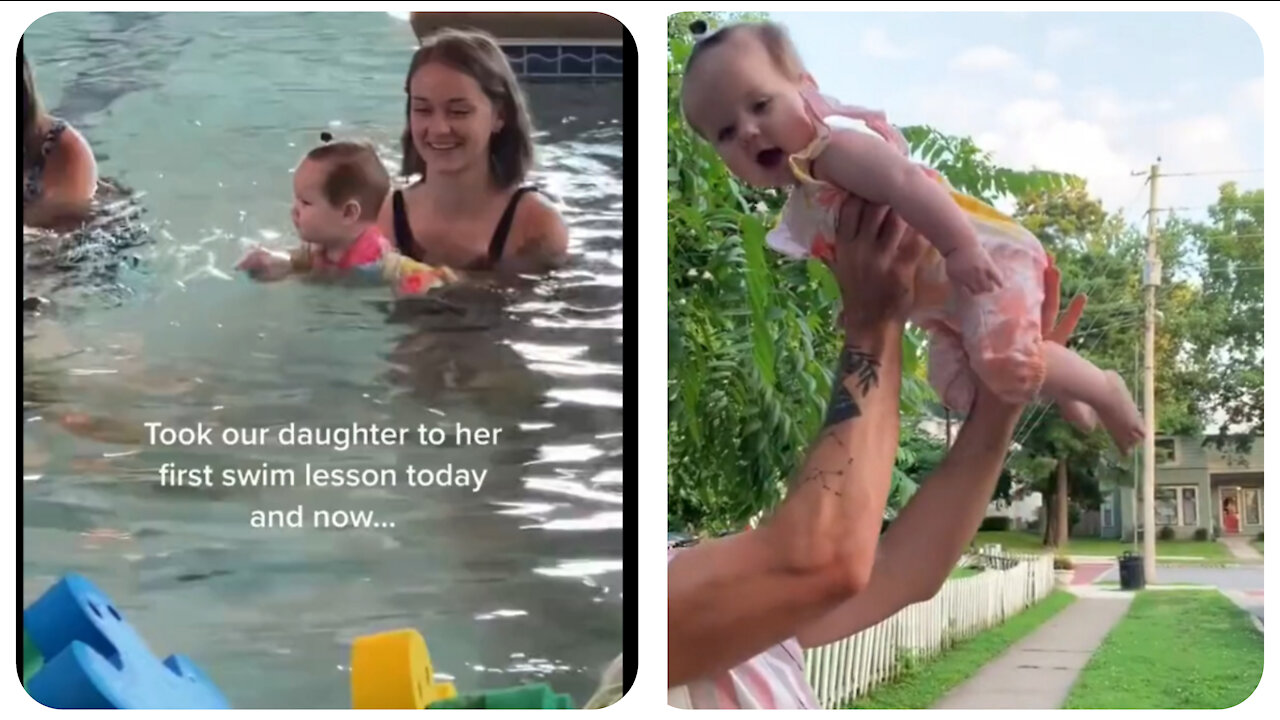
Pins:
x: 1197, y: 486
x: 1023, y: 509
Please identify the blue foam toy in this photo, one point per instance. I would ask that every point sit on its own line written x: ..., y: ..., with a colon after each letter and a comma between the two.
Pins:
x: 96, y: 660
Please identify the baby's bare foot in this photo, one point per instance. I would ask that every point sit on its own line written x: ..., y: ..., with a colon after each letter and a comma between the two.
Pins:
x: 1120, y: 416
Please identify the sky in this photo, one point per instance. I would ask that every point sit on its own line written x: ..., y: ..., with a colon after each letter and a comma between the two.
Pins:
x: 1101, y: 95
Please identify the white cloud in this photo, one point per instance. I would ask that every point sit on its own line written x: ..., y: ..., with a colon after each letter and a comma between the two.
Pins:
x: 1199, y: 144
x: 1044, y: 81
x: 1062, y: 40
x: 1248, y: 96
x: 1031, y: 131
x: 1030, y: 119
x: 1108, y: 106
x: 877, y: 44
x: 985, y: 58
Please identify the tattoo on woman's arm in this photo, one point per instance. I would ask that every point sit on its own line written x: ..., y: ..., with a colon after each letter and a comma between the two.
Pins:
x: 866, y: 368
x: 843, y: 406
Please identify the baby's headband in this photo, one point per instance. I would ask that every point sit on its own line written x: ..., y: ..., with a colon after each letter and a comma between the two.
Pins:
x: 699, y: 29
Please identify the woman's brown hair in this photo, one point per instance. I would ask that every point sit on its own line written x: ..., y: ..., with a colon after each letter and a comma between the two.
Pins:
x: 32, y: 113
x: 477, y: 55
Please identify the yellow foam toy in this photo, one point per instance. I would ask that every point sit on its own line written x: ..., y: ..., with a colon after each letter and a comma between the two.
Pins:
x: 392, y: 671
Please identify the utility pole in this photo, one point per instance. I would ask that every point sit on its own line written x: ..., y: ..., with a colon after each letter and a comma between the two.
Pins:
x: 1137, y: 372
x: 1151, y: 279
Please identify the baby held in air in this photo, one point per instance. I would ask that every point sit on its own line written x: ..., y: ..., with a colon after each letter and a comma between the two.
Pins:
x: 980, y: 286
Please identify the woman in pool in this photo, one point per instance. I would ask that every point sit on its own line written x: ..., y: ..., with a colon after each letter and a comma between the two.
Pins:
x: 468, y: 136
x: 59, y: 173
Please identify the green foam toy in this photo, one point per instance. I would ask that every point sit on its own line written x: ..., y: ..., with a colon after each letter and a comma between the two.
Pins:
x: 32, y: 660
x: 524, y: 697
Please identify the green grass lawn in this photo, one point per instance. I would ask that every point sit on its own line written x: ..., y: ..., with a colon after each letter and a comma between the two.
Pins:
x: 962, y: 572
x: 1030, y: 542
x: 922, y: 686
x: 1174, y: 650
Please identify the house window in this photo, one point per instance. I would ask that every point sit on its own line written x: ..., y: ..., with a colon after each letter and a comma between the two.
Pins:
x: 1252, y: 506
x: 1108, y: 514
x: 1190, y: 507
x: 1166, y: 451
x: 1178, y: 505
x: 1166, y: 506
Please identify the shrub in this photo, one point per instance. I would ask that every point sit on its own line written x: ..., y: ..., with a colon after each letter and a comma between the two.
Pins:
x: 1259, y: 536
x: 1166, y: 533
x: 996, y: 523
x: 1202, y: 534
x: 1062, y: 562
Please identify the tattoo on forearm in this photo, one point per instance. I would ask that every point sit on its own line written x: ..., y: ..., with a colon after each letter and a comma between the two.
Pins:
x: 866, y: 368
x: 823, y: 476
x: 842, y: 406
x: 864, y: 365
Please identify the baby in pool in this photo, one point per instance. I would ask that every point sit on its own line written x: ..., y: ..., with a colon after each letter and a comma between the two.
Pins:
x: 979, y: 288
x: 338, y: 189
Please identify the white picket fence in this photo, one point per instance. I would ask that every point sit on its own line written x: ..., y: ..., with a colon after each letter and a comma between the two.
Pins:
x: 850, y: 668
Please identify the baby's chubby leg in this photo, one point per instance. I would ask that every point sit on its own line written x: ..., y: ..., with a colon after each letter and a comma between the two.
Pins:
x: 949, y: 371
x: 1069, y: 379
x: 1080, y: 415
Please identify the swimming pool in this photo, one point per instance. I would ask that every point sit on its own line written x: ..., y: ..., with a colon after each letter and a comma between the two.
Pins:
x: 204, y: 115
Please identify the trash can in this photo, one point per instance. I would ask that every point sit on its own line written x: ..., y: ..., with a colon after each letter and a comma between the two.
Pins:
x: 1132, y: 574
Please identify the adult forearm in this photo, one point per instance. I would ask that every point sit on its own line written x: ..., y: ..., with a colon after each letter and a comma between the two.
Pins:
x: 834, y: 507
x: 941, y: 519
x: 921, y: 547
x: 733, y: 598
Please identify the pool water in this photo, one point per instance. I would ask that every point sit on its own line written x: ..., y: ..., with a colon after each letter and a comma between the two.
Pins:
x: 203, y: 116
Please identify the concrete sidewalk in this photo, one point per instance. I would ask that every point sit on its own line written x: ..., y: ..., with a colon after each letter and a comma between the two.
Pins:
x: 1240, y: 548
x: 1038, y: 671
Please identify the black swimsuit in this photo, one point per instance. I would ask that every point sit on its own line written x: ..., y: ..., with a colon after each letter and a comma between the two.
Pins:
x: 404, y: 234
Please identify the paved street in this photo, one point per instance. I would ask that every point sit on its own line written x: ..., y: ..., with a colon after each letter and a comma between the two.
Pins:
x: 1243, y: 584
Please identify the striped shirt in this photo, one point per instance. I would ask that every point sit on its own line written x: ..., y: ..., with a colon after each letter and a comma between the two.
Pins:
x: 774, y: 679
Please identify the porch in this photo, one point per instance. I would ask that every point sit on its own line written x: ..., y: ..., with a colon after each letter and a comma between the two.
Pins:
x: 1237, y: 502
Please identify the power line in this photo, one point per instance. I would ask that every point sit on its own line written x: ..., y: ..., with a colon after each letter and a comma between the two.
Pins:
x: 1241, y: 236
x: 1210, y: 207
x: 1032, y: 420
x: 1246, y: 268
x: 1203, y: 173
x: 1028, y: 422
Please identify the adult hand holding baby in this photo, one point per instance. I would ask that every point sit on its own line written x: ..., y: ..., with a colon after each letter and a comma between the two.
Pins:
x: 1056, y: 330
x: 876, y: 254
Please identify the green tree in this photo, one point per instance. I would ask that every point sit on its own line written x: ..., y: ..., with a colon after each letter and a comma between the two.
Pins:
x: 1227, y: 349
x: 1100, y: 256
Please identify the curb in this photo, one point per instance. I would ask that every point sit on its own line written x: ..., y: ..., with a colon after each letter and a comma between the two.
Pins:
x: 1213, y: 564
x: 1236, y: 597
